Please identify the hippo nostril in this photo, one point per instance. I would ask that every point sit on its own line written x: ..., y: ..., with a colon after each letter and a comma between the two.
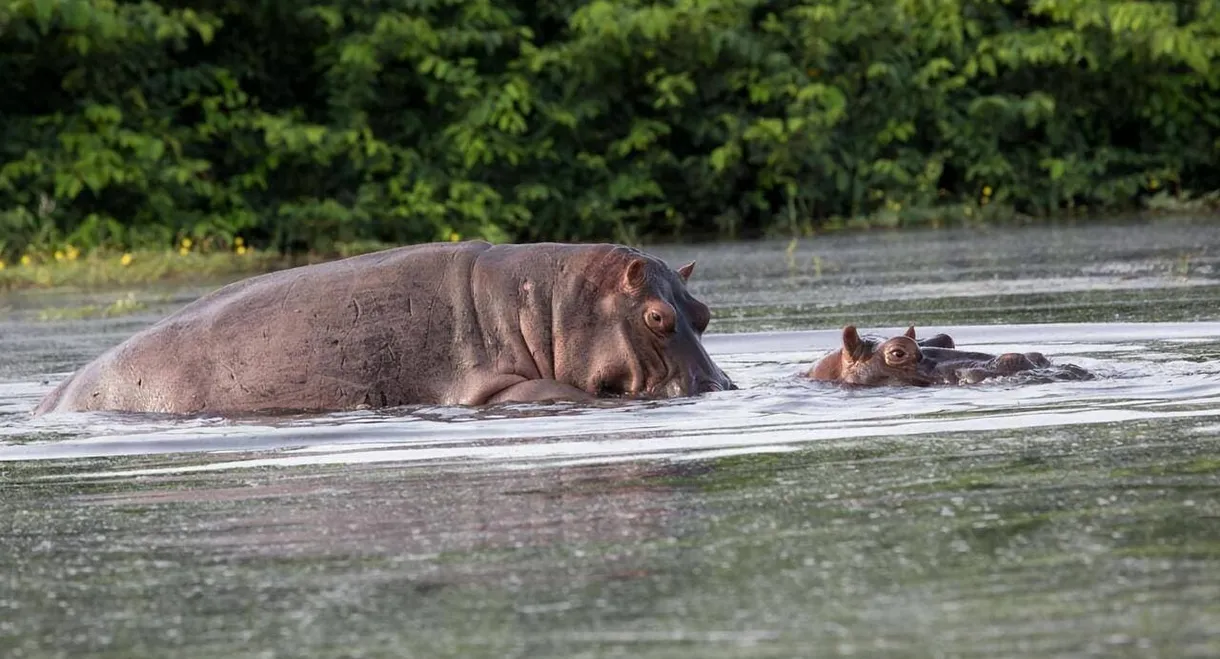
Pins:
x: 708, y: 386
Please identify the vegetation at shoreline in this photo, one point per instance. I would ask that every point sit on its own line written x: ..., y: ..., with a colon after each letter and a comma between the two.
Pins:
x: 104, y: 269
x: 302, y: 127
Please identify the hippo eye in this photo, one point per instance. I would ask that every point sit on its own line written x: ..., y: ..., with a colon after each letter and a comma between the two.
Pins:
x: 897, y: 355
x: 658, y: 321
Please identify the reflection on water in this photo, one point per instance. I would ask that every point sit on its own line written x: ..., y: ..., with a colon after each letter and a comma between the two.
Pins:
x: 1004, y: 518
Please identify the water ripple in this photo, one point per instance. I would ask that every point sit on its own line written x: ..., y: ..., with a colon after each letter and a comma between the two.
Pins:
x: 1145, y: 371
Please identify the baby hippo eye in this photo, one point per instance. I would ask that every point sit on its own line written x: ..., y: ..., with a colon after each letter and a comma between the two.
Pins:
x: 897, y: 355
x: 654, y: 317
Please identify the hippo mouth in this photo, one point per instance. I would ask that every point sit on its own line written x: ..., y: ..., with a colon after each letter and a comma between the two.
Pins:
x: 677, y: 388
x: 606, y: 389
x: 672, y: 389
x: 675, y: 381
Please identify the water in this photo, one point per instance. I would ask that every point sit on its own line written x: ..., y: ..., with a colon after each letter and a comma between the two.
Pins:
x: 787, y: 518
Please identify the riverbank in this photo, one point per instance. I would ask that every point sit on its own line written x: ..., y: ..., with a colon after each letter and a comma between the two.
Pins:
x: 71, y: 269
x: 106, y: 270
x: 103, y: 270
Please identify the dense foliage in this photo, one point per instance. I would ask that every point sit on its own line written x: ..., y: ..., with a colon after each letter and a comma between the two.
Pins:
x: 299, y: 123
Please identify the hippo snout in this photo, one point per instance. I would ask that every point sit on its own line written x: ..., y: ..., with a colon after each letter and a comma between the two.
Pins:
x: 719, y: 382
x: 695, y: 384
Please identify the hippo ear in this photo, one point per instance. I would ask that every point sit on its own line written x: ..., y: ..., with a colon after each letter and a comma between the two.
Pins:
x: 685, y: 271
x: 852, y: 345
x: 910, y: 332
x: 635, y: 275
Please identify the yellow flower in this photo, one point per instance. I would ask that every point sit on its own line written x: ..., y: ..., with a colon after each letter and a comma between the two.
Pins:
x: 241, y: 249
x: 59, y: 255
x: 73, y: 253
x: 454, y: 236
x: 986, y: 190
x: 183, y: 250
x: 126, y: 260
x: 25, y: 259
x: 186, y: 244
x: 1154, y: 184
x: 2, y: 265
x: 238, y: 241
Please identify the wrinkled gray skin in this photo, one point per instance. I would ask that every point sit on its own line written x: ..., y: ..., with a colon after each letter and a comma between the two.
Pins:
x: 453, y: 323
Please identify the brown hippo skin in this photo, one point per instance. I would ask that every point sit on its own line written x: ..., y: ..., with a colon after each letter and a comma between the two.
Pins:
x: 453, y: 323
x: 903, y: 360
x: 872, y: 362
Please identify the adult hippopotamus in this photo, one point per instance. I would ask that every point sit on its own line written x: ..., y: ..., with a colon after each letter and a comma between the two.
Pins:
x: 454, y: 323
x: 905, y: 361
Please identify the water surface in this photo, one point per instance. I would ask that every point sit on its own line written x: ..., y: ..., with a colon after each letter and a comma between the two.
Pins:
x: 787, y: 518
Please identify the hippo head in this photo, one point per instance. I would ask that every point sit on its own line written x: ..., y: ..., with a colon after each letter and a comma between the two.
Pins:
x: 643, y: 337
x: 896, y: 361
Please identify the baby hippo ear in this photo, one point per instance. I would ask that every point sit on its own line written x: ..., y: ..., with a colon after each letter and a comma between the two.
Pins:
x: 910, y: 332
x: 852, y: 345
x: 635, y: 275
x: 685, y: 271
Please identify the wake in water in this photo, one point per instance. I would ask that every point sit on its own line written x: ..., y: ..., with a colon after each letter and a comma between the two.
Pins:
x: 1138, y: 372
x: 1044, y: 375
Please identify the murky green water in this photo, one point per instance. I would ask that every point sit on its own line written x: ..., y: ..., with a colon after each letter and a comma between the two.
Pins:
x: 785, y: 519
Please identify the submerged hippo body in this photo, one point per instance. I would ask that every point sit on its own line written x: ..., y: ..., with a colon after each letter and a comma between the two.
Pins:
x: 906, y: 361
x: 455, y: 323
x: 965, y: 367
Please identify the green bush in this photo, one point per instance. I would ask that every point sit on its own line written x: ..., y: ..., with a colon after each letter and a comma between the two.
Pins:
x: 308, y: 125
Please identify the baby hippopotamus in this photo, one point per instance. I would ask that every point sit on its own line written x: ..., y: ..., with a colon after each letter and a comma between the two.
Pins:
x: 871, y: 362
x: 905, y: 361
x: 964, y: 367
